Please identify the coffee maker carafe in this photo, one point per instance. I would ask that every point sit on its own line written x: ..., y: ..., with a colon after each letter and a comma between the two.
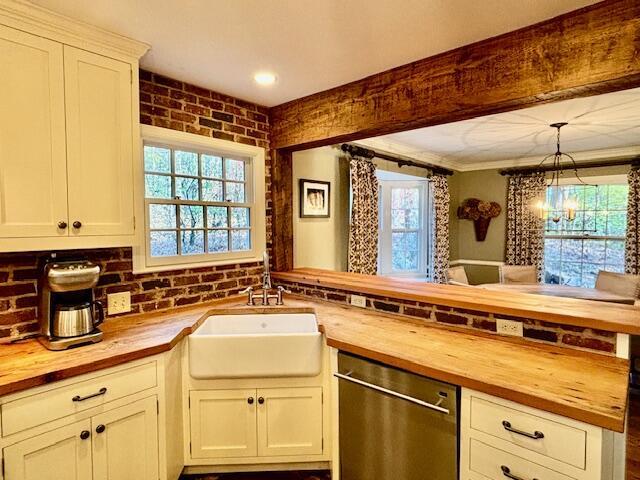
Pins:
x: 69, y: 314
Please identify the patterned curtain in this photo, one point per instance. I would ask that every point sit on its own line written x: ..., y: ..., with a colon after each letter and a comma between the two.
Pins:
x: 525, y: 229
x: 363, y: 232
x: 440, y: 230
x: 632, y: 243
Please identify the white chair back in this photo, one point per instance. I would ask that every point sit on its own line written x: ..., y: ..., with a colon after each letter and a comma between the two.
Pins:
x: 518, y: 274
x: 623, y: 284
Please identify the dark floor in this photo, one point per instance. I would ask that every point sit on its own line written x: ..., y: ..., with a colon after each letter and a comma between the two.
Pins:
x: 633, y: 440
x: 262, y: 476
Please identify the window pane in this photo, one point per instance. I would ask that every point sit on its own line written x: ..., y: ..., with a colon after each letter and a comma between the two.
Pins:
x: 157, y: 186
x: 187, y: 188
x: 234, y: 169
x: 163, y: 244
x: 397, y: 218
x: 217, y: 217
x: 211, y: 166
x: 192, y: 241
x: 162, y: 216
x: 186, y: 163
x: 235, y: 192
x: 212, y: 191
x: 617, y: 196
x: 617, y: 224
x: 615, y: 252
x: 191, y: 216
x: 240, y: 240
x: 405, y: 198
x: 218, y: 240
x: 239, y: 217
x: 593, y: 251
x: 157, y: 159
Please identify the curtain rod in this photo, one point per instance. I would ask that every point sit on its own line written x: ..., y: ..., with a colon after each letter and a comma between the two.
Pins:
x: 634, y: 162
x: 358, y: 151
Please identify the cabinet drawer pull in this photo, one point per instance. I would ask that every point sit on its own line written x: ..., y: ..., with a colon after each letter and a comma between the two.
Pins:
x: 260, y: 400
x: 535, y: 435
x: 100, y: 428
x: 77, y: 224
x: 250, y: 400
x: 100, y: 392
x: 62, y: 224
x: 85, y: 434
x: 506, y: 471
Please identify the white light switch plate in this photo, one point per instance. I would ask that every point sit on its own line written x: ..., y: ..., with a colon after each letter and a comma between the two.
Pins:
x: 509, y: 327
x: 358, y: 301
x: 118, y: 303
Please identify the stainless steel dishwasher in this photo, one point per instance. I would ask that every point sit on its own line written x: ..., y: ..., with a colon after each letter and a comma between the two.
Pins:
x: 395, y: 425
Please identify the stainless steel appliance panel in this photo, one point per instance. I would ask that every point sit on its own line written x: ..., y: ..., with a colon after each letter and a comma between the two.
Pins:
x: 395, y: 425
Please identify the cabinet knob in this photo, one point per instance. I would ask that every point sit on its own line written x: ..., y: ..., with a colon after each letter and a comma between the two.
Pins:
x: 100, y: 428
x: 85, y: 434
x: 77, y: 224
x: 250, y: 400
x: 260, y: 400
x: 62, y: 224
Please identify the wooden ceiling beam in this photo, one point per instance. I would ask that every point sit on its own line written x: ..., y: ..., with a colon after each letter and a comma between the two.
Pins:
x: 586, y: 52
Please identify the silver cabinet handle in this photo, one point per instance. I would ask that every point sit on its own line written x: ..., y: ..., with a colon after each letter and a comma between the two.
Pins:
x: 100, y: 392
x: 392, y: 393
x: 535, y: 435
x: 506, y: 471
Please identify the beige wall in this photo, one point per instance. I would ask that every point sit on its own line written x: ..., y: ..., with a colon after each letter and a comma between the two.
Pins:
x: 489, y: 185
x: 322, y: 242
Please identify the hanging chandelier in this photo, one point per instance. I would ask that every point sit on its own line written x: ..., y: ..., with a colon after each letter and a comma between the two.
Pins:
x: 561, y: 207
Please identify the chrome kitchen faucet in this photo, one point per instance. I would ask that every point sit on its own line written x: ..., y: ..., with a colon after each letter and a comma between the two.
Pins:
x: 266, y: 287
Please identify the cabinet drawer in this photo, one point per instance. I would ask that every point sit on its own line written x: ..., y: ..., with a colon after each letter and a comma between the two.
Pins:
x: 33, y: 410
x: 496, y: 464
x: 558, y: 441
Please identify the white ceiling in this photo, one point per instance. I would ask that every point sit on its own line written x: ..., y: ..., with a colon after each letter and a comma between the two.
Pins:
x: 311, y: 45
x: 602, y: 126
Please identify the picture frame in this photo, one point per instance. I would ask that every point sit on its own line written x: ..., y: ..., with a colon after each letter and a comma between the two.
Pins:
x: 315, y: 198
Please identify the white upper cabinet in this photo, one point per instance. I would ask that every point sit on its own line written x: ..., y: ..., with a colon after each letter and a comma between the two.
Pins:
x: 69, y: 132
x: 99, y: 143
x: 33, y: 173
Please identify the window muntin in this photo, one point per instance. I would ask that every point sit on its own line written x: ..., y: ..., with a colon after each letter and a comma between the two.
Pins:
x: 197, y: 203
x: 573, y: 256
x: 403, y: 243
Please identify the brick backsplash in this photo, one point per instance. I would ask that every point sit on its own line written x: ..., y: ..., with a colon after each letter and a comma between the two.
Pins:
x: 533, y: 330
x: 167, y: 103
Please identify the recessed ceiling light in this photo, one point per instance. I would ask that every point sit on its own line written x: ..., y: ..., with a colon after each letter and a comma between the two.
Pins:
x: 265, y: 78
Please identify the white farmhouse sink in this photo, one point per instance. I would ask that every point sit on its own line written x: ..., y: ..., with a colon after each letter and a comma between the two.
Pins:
x: 256, y: 345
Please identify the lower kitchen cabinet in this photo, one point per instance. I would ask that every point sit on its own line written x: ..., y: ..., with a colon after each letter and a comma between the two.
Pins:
x: 61, y: 454
x: 125, y: 442
x: 256, y: 422
x: 223, y: 423
x: 119, y: 444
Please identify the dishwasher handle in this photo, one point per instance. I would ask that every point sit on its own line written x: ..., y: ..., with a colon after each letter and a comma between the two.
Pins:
x: 422, y: 403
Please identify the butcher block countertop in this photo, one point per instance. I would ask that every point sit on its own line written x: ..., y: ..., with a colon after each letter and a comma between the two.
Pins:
x: 610, y: 317
x: 583, y: 386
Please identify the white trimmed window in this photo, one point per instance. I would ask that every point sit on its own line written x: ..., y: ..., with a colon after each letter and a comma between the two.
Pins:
x: 203, y: 200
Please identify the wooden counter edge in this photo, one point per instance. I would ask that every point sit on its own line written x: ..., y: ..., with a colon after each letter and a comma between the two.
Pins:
x: 560, y: 318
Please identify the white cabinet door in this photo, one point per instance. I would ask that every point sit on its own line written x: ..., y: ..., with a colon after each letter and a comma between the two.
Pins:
x: 125, y: 442
x: 60, y: 454
x: 290, y: 421
x: 99, y: 143
x: 33, y: 172
x: 223, y: 423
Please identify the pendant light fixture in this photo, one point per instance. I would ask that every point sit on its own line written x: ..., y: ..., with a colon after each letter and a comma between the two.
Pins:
x: 561, y: 207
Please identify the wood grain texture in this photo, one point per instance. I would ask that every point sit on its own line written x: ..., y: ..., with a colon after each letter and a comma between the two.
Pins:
x: 282, y: 191
x: 566, y: 291
x: 589, y: 51
x: 587, y: 387
x: 567, y: 311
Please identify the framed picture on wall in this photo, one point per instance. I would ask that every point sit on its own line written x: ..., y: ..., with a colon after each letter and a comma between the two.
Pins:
x: 314, y: 199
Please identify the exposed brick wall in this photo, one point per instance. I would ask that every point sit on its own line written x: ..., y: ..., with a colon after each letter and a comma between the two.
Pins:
x: 168, y: 103
x: 534, y: 330
x: 149, y: 291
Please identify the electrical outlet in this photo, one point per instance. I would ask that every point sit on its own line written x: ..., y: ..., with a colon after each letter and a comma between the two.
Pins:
x: 118, y: 303
x: 358, y: 301
x: 509, y: 327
